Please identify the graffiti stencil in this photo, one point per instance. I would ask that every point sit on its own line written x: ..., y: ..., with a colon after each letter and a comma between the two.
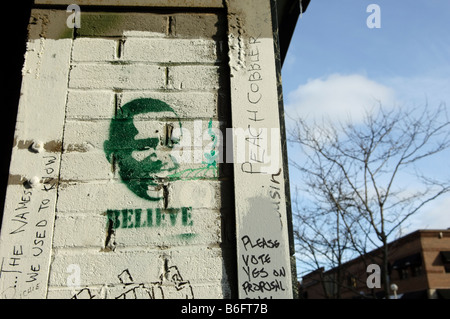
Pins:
x: 144, y: 166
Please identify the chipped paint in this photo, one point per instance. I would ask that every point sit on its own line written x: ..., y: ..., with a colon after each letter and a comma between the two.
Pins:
x: 50, y: 147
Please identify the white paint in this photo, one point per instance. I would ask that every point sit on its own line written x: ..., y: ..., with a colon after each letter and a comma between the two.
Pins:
x: 29, y: 213
x: 146, y: 3
x: 88, y: 49
x: 170, y: 50
x: 34, y: 182
x: 71, y: 90
x: 261, y: 217
x: 38, y: 146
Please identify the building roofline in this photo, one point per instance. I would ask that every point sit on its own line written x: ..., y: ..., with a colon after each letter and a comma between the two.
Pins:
x: 288, y: 12
x: 407, y: 237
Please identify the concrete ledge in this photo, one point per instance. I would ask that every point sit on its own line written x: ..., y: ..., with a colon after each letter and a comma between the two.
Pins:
x: 139, y: 3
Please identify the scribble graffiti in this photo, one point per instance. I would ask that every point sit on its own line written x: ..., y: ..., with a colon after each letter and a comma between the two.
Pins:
x: 210, y: 162
x: 170, y: 285
x: 144, y: 164
x: 84, y: 294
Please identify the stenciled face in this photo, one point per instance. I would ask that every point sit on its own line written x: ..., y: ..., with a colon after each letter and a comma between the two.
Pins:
x: 143, y: 164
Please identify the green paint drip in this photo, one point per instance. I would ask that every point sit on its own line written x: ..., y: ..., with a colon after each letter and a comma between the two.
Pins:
x: 187, y: 236
x: 202, y: 172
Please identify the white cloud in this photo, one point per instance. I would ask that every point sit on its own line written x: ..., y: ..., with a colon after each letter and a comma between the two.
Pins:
x: 339, y: 97
x: 434, y: 216
x: 419, y: 90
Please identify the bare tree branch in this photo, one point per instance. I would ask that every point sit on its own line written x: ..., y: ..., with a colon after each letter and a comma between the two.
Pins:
x: 351, y: 175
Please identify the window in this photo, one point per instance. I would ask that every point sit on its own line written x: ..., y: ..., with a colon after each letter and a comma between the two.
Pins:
x: 351, y: 281
x: 416, y: 270
x: 409, y: 266
x: 403, y: 273
x: 445, y: 255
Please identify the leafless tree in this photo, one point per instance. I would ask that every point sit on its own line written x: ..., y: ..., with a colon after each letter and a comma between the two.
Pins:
x: 360, y: 182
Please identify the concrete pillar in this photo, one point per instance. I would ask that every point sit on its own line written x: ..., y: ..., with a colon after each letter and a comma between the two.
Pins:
x: 148, y: 159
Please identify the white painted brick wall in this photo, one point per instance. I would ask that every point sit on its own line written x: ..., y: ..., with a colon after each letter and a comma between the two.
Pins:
x: 200, y: 78
x: 170, y: 51
x: 90, y: 105
x: 188, y: 105
x: 111, y: 76
x: 94, y: 50
x: 103, y: 68
x: 79, y: 230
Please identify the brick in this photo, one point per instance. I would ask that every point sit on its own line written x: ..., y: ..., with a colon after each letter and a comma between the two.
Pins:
x: 211, y: 290
x: 88, y: 50
x: 100, y: 196
x: 31, y: 164
x: 84, y: 158
x: 85, y: 135
x: 196, y: 264
x: 119, y: 24
x: 146, y: 77
x: 191, y: 134
x: 82, y: 293
x: 196, y: 131
x: 72, y: 88
x: 93, y: 166
x: 187, y: 105
x: 197, y: 78
x: 168, y: 228
x: 117, y: 76
x: 40, y: 118
x: 170, y: 50
x: 87, y: 166
x: 44, y: 89
x: 196, y: 194
x: 140, y: 3
x: 206, y: 25
x: 80, y: 230
x: 49, y: 24
x: 90, y: 105
x: 103, y: 268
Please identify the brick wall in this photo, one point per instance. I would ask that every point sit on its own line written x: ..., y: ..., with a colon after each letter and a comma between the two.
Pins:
x: 433, y: 243
x: 117, y: 187
x: 109, y: 217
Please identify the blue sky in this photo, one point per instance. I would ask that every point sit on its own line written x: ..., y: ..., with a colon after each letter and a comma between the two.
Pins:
x: 338, y: 66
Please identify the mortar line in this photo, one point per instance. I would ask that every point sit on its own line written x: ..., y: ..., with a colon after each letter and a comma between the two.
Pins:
x: 215, y: 64
x: 60, y: 158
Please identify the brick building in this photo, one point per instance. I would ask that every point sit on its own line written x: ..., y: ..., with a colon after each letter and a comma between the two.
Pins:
x: 123, y: 182
x: 419, y: 265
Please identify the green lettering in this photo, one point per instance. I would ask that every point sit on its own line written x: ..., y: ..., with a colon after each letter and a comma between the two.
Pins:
x: 173, y: 212
x: 113, y: 216
x: 137, y: 218
x: 187, y: 216
x: 158, y: 217
x: 149, y: 217
x: 126, y: 218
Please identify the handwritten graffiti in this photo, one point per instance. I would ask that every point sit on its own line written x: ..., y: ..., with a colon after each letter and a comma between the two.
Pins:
x: 170, y: 285
x: 147, y: 164
x: 23, y: 263
x: 262, y: 276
